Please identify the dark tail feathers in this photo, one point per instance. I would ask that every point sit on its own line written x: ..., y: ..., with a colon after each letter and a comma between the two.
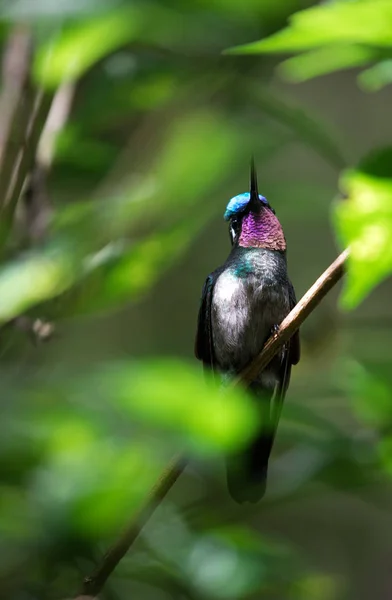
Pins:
x: 247, y: 471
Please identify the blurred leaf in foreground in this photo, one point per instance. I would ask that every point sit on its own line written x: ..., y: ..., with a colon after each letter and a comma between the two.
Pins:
x: 91, y: 481
x: 124, y: 272
x: 171, y: 395
x: 198, y: 151
x: 223, y: 562
x: 337, y: 35
x: 366, y: 21
x: 376, y: 77
x: 33, y: 279
x: 364, y: 222
x: 79, y: 45
x: 105, y: 434
x: 325, y: 60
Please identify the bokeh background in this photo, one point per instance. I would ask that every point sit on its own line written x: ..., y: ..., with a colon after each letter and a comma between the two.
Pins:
x: 154, y: 110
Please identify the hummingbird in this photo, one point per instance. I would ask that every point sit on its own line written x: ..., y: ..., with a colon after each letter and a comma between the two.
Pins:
x: 243, y: 302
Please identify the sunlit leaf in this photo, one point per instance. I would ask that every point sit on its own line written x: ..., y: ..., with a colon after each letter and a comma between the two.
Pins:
x: 172, y: 395
x: 88, y: 236
x: 78, y: 46
x: 364, y: 222
x: 34, y: 279
x: 198, y: 146
x: 366, y: 22
x: 376, y: 77
x: 325, y: 60
x: 131, y: 271
x: 90, y: 479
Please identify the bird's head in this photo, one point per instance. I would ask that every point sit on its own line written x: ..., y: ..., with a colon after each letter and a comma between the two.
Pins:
x: 252, y: 221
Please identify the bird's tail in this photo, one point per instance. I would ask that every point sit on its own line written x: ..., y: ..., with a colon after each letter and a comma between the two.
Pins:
x: 247, y: 471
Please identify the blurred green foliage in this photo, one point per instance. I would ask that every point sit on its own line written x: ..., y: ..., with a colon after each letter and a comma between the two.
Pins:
x: 170, y: 99
x: 333, y: 36
x: 337, y: 35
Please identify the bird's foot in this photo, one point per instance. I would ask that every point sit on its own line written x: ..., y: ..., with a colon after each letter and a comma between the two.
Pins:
x: 274, y: 331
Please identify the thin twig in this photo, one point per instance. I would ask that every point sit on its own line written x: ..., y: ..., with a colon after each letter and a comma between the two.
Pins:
x: 24, y: 161
x: 55, y: 123
x: 24, y: 110
x: 15, y: 95
x: 94, y: 583
x: 30, y: 120
x: 294, y: 319
x: 37, y: 212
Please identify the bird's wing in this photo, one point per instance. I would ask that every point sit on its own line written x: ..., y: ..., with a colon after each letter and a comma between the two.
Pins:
x: 295, y: 347
x: 291, y: 356
x: 204, y: 349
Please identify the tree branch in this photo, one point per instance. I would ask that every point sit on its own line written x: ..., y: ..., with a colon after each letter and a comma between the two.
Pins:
x: 294, y: 319
x: 24, y: 110
x: 37, y: 205
x: 94, y: 583
x: 14, y: 102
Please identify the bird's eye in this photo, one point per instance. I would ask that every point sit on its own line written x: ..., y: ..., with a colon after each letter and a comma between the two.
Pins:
x: 234, y: 229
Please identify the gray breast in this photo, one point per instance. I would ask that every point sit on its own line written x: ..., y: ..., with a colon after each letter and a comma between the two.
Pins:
x: 250, y: 297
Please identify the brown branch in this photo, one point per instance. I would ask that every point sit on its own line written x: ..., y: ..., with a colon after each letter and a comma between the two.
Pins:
x: 30, y: 121
x: 37, y: 213
x: 294, y: 319
x: 24, y: 161
x: 24, y: 109
x: 15, y: 98
x: 94, y: 583
x: 55, y: 123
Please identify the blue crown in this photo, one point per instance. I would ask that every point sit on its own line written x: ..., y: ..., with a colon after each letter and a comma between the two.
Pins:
x: 238, y: 203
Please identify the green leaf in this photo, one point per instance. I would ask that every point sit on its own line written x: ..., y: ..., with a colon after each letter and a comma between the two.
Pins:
x: 129, y: 273
x: 363, y: 22
x: 377, y: 77
x: 34, y: 279
x: 80, y: 45
x: 325, y: 60
x: 172, y: 395
x: 89, y: 236
x: 90, y: 481
x: 364, y: 222
x: 198, y: 146
x: 169, y: 395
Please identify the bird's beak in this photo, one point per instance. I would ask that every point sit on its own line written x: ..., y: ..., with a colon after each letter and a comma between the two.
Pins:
x: 254, y: 202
